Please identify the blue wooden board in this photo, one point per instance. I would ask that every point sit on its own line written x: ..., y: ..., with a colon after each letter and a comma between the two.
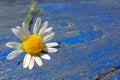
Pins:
x: 89, y: 33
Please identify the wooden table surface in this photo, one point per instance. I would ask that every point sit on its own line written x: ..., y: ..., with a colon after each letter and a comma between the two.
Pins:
x: 89, y: 33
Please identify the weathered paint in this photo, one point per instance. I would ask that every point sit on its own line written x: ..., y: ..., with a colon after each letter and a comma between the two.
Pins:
x: 88, y: 31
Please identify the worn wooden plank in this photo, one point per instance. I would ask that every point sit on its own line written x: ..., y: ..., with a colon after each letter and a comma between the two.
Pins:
x: 89, y: 33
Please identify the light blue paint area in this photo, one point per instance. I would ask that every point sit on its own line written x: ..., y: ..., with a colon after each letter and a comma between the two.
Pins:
x: 4, y: 53
x: 118, y: 75
x: 118, y: 37
x: 52, y: 6
x: 105, y: 18
x: 4, y: 38
x: 75, y: 77
x: 96, y: 55
x: 84, y: 37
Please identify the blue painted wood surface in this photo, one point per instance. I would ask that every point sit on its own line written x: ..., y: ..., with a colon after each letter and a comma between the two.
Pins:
x: 89, y: 33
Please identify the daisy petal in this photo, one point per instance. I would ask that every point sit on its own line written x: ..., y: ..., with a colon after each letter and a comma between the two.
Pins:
x: 18, y: 34
x: 14, y: 54
x: 13, y: 45
x: 38, y: 60
x: 21, y: 31
x: 53, y: 44
x: 51, y: 50
x: 46, y: 56
x: 25, y: 29
x: 19, y: 28
x: 42, y: 30
x: 27, y: 60
x: 49, y: 30
x: 31, y: 65
x: 48, y: 37
x: 37, y: 25
x: 24, y: 61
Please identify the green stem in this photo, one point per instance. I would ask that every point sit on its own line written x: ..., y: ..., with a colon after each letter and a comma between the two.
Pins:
x: 33, y: 12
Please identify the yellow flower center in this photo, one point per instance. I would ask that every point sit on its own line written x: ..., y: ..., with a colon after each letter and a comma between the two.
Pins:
x: 33, y: 44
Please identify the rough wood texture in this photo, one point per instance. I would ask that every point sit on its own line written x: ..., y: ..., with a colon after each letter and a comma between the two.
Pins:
x: 89, y: 33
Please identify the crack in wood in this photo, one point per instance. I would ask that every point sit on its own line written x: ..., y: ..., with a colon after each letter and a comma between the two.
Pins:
x: 112, y: 70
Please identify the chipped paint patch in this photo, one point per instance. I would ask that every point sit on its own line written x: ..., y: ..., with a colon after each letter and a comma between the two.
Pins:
x: 84, y: 36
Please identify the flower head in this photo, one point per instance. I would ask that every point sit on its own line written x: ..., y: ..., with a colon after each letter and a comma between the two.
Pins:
x: 34, y: 45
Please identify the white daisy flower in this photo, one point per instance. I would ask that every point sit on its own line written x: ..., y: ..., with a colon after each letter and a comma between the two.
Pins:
x: 35, y: 45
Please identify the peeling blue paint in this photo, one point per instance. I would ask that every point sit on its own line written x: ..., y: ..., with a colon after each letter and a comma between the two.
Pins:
x: 103, y: 53
x: 74, y: 61
x: 84, y: 37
